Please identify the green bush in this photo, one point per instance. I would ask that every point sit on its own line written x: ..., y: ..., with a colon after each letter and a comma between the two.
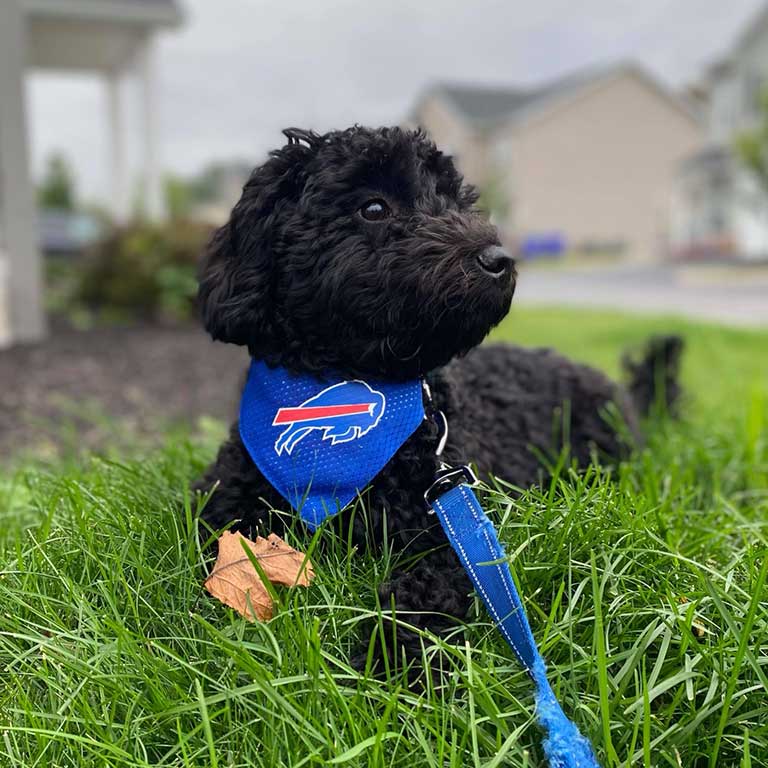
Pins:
x: 143, y: 272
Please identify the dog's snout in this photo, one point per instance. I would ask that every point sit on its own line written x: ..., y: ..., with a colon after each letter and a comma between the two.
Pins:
x: 495, y: 261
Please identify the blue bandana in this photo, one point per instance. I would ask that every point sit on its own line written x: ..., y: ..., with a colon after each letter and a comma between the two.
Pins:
x: 320, y: 443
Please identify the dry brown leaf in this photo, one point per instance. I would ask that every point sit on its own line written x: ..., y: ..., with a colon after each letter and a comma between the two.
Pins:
x: 234, y: 579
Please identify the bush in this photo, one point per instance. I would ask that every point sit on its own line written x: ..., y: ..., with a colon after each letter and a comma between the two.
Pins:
x: 143, y: 272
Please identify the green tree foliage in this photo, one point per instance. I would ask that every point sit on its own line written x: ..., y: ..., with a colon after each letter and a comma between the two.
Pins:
x: 57, y: 189
x: 216, y: 181
x: 179, y: 197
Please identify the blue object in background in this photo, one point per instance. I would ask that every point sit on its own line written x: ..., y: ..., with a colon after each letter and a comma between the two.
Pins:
x: 67, y: 232
x: 543, y: 245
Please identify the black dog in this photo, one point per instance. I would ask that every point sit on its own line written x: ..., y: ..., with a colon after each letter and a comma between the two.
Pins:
x: 362, y: 252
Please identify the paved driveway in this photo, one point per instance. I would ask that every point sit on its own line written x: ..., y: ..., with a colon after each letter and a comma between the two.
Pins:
x: 736, y: 297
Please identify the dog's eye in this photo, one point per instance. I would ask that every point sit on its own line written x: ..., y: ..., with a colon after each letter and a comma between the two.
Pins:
x: 375, y: 210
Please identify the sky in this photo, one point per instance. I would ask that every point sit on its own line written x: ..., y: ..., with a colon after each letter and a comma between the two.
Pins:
x: 238, y: 71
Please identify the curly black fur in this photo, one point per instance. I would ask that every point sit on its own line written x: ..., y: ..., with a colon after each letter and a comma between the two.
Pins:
x: 654, y: 378
x: 304, y: 280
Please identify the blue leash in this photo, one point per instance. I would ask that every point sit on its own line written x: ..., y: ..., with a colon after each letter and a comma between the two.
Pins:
x: 474, y: 539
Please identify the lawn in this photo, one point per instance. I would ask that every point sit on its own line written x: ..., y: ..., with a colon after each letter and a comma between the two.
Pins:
x: 645, y: 585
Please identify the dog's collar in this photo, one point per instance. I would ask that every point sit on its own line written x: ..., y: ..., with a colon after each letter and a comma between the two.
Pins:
x: 321, y: 442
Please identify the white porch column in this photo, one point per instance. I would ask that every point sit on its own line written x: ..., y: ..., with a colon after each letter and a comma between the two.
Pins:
x: 120, y: 204
x: 151, y: 178
x: 21, y: 286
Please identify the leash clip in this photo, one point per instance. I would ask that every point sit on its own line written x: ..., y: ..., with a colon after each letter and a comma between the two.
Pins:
x: 443, y: 424
x: 438, y: 416
x: 446, y: 479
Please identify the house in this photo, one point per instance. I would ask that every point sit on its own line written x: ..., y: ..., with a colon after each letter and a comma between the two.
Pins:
x: 723, y: 209
x: 109, y: 38
x: 587, y: 163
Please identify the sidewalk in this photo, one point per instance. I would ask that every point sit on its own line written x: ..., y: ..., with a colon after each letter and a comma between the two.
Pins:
x: 731, y: 296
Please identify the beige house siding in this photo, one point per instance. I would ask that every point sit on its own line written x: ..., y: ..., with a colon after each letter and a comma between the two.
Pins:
x: 600, y: 166
x: 453, y: 136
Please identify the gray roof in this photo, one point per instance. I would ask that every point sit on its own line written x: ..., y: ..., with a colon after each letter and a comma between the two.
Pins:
x: 487, y: 106
x: 483, y: 104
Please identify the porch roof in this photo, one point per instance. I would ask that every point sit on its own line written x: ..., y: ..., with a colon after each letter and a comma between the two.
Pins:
x: 90, y: 35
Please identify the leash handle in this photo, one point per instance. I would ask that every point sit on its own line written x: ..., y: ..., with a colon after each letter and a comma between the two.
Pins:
x: 476, y: 543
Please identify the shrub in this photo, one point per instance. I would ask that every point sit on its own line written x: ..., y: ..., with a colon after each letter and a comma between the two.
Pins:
x: 143, y: 272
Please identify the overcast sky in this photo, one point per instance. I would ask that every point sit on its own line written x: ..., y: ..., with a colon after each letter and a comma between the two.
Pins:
x: 239, y: 70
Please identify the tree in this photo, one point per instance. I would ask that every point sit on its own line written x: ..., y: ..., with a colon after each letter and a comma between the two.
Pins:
x: 57, y: 189
x: 215, y: 183
x: 179, y: 197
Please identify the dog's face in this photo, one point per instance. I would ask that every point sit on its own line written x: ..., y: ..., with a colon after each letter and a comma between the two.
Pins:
x: 359, y: 251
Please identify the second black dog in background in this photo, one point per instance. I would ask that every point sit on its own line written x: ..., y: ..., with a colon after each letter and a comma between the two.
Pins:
x: 361, y: 252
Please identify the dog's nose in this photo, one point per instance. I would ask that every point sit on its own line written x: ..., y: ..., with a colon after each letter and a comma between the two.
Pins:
x: 495, y: 261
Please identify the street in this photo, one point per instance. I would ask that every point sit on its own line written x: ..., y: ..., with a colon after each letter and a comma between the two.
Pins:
x: 729, y: 295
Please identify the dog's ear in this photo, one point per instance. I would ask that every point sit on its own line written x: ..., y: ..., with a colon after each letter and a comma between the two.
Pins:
x: 236, y: 277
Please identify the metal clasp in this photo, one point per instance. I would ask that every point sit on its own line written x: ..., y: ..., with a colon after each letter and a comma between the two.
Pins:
x: 446, y: 480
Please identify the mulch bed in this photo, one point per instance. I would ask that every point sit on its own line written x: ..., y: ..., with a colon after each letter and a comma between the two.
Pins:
x: 78, y: 388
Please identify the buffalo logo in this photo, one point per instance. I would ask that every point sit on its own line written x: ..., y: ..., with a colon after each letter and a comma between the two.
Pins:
x: 343, y: 412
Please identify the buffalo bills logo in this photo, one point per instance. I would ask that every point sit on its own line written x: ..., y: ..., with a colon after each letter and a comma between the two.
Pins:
x: 343, y: 412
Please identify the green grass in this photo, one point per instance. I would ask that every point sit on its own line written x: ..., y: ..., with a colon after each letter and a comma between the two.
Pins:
x: 646, y: 588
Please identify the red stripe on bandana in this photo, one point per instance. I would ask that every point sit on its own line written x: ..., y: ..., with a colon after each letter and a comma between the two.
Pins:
x: 315, y: 412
